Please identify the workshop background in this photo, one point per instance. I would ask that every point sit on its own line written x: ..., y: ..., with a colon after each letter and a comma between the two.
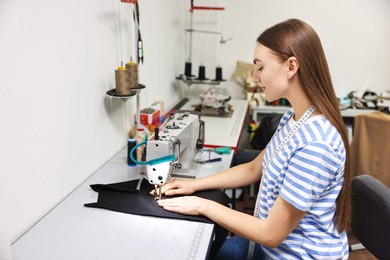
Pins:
x: 58, y: 59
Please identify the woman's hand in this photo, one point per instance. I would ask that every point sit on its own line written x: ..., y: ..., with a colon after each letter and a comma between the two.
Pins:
x: 188, y: 205
x: 177, y: 187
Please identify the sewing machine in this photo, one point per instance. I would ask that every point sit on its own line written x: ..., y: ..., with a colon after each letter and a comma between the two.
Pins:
x: 173, y: 147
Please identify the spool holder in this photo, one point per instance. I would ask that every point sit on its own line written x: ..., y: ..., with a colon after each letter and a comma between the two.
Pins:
x: 189, y: 80
x: 134, y: 91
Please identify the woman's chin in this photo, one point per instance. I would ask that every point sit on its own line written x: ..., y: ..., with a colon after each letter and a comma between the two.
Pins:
x: 269, y: 99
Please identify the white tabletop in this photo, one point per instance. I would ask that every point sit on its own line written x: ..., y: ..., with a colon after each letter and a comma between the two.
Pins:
x: 72, y: 231
x: 282, y: 109
x: 223, y: 131
x: 258, y: 110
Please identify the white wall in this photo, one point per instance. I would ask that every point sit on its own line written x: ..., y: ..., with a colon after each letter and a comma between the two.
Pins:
x: 57, y: 60
x: 355, y: 35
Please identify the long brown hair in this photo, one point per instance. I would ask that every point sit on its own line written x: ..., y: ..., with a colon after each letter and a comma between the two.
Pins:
x: 295, y: 38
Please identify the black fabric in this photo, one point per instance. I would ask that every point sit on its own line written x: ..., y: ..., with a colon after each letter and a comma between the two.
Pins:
x: 371, y: 214
x: 266, y: 129
x: 124, y: 197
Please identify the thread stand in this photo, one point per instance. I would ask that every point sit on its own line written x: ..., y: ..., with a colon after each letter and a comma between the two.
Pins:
x: 189, y: 81
x: 187, y: 78
x: 138, y: 90
x: 134, y: 91
x: 112, y: 93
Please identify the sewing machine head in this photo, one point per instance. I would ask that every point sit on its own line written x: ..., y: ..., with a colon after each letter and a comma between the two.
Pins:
x: 173, y: 146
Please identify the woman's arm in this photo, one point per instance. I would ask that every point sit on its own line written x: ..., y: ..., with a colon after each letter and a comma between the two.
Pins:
x: 271, y: 231
x: 235, y: 177
x: 238, y: 176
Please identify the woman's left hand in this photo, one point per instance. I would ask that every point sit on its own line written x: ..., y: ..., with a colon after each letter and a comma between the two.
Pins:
x: 188, y: 205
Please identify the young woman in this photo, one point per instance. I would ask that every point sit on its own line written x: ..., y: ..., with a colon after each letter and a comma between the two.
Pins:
x: 303, y: 206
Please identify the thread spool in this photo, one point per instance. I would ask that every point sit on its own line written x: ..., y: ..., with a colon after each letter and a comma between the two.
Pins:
x: 218, y: 74
x: 130, y: 145
x: 122, y: 81
x: 132, y: 68
x: 140, y: 150
x: 202, y: 73
x: 188, y: 69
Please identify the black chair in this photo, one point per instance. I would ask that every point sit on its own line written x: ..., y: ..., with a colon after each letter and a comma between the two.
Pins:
x: 262, y: 135
x: 265, y: 130
x: 371, y: 215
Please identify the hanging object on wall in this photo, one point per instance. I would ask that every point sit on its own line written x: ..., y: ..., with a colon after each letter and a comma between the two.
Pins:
x: 129, y: 1
x: 140, y: 45
x: 208, y: 8
x: 139, y: 54
x: 187, y: 77
x: 191, y: 29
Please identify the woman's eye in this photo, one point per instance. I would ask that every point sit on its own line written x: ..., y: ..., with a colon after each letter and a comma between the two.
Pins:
x: 260, y: 69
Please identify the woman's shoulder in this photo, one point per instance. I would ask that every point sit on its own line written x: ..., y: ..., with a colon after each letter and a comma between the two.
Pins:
x: 318, y: 129
x: 285, y: 118
x: 321, y: 129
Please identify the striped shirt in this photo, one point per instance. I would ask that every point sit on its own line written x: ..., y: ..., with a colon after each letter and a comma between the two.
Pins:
x: 308, y: 173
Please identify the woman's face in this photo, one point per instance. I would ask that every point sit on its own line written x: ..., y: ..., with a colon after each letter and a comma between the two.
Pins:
x: 270, y: 73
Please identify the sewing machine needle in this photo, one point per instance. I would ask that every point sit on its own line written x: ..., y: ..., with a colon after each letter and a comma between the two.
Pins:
x: 156, y: 196
x: 159, y: 192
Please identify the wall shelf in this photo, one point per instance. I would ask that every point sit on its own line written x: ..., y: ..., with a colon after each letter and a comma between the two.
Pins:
x: 112, y: 93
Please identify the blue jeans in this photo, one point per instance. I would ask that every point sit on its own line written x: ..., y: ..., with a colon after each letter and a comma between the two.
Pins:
x: 236, y: 248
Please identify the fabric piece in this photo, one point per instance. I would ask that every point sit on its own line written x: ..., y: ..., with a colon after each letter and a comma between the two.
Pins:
x: 370, y: 147
x: 124, y: 197
x: 130, y: 197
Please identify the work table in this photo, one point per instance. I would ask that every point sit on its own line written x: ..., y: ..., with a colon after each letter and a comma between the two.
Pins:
x: 72, y: 231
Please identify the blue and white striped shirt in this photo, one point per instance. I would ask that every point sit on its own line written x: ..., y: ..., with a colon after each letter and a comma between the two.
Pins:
x: 308, y: 173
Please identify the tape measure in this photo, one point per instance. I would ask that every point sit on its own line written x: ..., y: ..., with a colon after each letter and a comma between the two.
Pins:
x: 196, y: 241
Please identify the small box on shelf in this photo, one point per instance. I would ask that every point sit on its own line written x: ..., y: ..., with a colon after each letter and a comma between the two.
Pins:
x: 149, y: 116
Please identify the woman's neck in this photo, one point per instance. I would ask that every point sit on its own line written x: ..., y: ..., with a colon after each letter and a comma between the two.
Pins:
x: 300, y: 109
x: 300, y: 103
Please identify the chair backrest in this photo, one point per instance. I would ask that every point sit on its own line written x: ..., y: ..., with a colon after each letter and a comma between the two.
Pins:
x: 371, y: 214
x: 265, y: 130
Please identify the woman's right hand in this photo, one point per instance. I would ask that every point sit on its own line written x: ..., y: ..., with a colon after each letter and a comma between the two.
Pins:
x: 178, y: 187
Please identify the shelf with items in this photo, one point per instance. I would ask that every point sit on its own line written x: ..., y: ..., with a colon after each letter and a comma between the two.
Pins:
x: 269, y: 109
x: 124, y: 97
x: 188, y: 78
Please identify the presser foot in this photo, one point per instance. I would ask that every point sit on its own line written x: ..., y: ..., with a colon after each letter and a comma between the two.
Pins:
x: 157, y: 192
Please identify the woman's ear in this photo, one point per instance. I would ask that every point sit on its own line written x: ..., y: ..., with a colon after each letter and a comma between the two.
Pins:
x: 293, y: 67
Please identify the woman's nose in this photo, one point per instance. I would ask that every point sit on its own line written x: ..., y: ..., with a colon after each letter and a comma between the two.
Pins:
x: 255, y: 77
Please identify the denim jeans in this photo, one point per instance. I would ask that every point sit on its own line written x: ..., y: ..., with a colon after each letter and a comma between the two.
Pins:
x: 236, y: 248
